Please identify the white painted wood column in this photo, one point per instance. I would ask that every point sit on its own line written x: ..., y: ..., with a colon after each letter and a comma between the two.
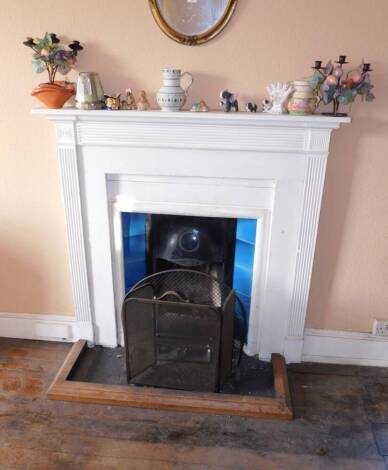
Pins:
x: 317, y: 141
x: 67, y: 154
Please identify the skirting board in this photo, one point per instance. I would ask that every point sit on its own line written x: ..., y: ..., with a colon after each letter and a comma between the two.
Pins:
x: 345, y: 347
x: 329, y: 346
x: 41, y: 327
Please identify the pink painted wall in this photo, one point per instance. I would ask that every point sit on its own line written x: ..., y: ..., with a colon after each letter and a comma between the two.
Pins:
x: 266, y: 40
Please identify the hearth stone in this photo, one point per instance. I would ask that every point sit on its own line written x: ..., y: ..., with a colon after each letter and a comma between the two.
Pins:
x: 107, y: 366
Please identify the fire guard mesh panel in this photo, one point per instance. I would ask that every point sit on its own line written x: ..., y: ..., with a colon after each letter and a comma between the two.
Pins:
x: 178, y: 330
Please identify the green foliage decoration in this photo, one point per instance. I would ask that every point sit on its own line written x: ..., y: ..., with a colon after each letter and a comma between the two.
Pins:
x: 332, y: 86
x: 51, y: 56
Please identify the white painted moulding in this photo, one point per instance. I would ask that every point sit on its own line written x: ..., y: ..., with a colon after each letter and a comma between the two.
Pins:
x: 345, y: 347
x: 35, y: 326
x: 322, y: 346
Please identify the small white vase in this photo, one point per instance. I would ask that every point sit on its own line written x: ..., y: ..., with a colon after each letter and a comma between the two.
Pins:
x: 171, y: 96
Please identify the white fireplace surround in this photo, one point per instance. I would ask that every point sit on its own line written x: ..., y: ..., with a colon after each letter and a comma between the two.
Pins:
x: 270, y: 168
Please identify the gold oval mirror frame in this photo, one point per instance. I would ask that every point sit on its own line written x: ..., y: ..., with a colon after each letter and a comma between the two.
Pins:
x: 192, y: 39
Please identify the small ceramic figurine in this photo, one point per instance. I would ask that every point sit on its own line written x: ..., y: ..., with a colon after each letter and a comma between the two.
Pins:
x: 228, y: 101
x: 279, y: 93
x: 112, y: 102
x: 142, y: 102
x: 131, y: 103
x: 123, y: 105
x: 200, y: 107
x: 251, y: 107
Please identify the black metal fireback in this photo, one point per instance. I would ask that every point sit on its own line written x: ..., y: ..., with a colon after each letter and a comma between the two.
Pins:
x: 178, y: 330
x: 205, y: 244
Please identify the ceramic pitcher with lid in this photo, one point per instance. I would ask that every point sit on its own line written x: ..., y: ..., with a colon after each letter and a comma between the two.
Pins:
x: 171, y: 96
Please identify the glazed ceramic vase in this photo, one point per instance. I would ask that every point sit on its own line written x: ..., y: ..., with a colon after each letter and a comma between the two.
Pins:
x: 53, y: 95
x: 171, y: 96
x: 303, y: 102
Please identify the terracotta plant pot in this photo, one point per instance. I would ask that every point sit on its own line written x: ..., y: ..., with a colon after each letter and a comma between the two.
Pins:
x: 53, y: 95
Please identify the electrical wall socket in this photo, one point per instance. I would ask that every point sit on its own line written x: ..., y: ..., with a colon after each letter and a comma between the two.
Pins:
x: 380, y: 327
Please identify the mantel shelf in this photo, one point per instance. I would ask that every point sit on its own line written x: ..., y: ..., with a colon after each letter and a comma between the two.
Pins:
x: 211, y: 117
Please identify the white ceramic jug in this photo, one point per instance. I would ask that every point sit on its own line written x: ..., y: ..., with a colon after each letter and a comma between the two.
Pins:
x: 171, y: 96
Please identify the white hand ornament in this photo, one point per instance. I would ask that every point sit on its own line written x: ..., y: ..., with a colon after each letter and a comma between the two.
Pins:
x: 279, y: 93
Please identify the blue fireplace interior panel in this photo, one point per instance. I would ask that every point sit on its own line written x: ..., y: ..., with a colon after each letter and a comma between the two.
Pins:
x: 243, y: 260
x: 134, y: 245
x: 135, y: 263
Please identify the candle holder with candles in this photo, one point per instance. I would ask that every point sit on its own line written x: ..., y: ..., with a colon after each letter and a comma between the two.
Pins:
x: 332, y: 86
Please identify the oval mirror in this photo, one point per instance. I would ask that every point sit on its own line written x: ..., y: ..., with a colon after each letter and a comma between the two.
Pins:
x: 192, y: 22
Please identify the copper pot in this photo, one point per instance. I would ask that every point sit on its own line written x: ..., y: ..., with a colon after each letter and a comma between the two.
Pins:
x: 53, y: 95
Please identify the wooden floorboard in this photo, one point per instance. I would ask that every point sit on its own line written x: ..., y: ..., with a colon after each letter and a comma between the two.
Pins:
x: 341, y: 422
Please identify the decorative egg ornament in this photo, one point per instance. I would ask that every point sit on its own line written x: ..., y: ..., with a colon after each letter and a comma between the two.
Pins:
x: 331, y: 80
x: 338, y: 72
x: 356, y: 76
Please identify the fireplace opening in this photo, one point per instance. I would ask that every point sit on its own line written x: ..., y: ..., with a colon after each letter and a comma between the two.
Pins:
x: 137, y: 251
x: 188, y: 282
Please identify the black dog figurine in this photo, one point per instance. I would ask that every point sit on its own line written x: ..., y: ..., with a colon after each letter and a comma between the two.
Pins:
x: 251, y: 108
x: 228, y: 102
